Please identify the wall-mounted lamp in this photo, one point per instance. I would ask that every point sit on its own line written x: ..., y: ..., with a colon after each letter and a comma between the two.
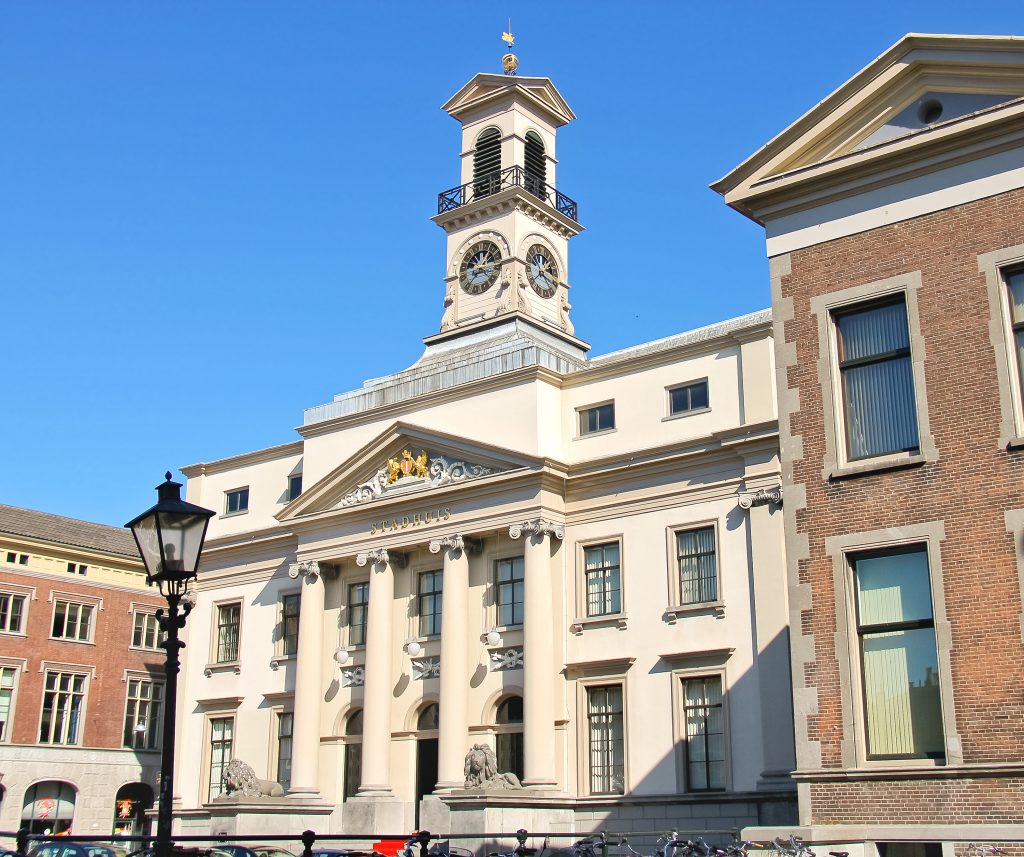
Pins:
x: 342, y: 656
x: 413, y: 649
x: 493, y: 638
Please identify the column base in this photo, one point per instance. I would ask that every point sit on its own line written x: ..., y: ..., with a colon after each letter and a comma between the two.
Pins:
x: 309, y: 794
x: 539, y: 785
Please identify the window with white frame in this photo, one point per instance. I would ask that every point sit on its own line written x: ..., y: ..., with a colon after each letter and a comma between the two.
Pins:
x: 77, y: 568
x: 602, y: 582
x: 704, y: 742
x: 899, y: 663
x: 876, y: 378
x: 697, y: 563
x: 143, y: 713
x: 146, y: 633
x: 63, y: 707
x: 8, y: 682
x: 229, y: 620
x: 606, y: 741
x: 358, y: 601
x: 72, y: 620
x: 285, y: 720
x: 1015, y: 294
x: 221, y: 750
x: 236, y: 501
x: 510, y: 590
x: 290, y: 605
x: 428, y: 602
x: 12, y: 612
x: 597, y: 418
x: 688, y: 398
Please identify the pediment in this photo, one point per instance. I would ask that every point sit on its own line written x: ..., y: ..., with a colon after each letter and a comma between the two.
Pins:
x: 540, y: 92
x: 922, y: 88
x: 404, y: 461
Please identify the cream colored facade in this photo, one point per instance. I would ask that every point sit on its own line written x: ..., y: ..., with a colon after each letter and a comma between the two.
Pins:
x: 525, y: 472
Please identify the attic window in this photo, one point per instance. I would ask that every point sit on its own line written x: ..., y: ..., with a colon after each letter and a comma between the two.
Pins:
x: 487, y: 163
x: 930, y: 111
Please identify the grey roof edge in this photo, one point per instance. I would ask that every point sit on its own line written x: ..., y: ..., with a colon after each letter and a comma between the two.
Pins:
x: 65, y: 531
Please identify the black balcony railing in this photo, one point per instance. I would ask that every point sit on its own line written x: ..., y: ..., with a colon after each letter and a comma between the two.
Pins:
x: 449, y: 200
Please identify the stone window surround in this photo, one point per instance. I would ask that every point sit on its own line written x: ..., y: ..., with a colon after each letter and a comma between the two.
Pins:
x: 491, y: 559
x: 57, y: 595
x: 675, y: 609
x: 227, y: 499
x: 669, y: 415
x: 279, y: 656
x: 836, y: 465
x: 346, y: 623
x: 213, y: 665
x: 19, y: 665
x: 689, y: 665
x: 208, y: 717
x: 992, y: 266
x: 416, y: 570
x: 136, y: 608
x: 582, y: 620
x: 89, y: 671
x: 599, y: 674
x: 29, y: 593
x: 847, y: 651
x: 156, y: 678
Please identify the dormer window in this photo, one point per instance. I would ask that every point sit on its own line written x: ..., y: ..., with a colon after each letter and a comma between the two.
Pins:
x: 487, y: 163
x: 536, y: 165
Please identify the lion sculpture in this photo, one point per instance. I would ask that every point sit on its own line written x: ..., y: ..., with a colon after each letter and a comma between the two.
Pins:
x: 482, y: 770
x: 240, y: 779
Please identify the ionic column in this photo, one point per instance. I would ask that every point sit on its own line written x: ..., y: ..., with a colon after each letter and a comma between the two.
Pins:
x: 308, y: 693
x: 538, y: 653
x: 453, y: 732
x: 376, y: 780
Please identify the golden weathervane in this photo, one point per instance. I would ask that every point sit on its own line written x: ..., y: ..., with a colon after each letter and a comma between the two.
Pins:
x: 510, y: 62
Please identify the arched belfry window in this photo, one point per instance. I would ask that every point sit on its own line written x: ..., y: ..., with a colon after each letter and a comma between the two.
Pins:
x: 487, y: 163
x: 536, y: 165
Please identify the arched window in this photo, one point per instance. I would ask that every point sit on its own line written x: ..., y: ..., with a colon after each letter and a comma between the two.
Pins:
x: 130, y: 805
x: 487, y: 163
x: 49, y: 807
x: 536, y: 165
x: 428, y: 718
x: 509, y: 735
x: 353, y: 753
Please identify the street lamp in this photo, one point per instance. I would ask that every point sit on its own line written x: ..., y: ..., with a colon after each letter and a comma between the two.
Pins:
x: 170, y: 538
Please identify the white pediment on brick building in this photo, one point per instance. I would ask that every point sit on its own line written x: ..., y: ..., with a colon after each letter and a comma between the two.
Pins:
x: 402, y: 461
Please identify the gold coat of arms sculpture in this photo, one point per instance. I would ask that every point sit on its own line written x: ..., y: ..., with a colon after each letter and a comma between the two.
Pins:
x: 406, y: 465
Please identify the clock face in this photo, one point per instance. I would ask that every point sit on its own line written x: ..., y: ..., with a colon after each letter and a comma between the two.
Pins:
x: 541, y: 270
x: 479, y: 268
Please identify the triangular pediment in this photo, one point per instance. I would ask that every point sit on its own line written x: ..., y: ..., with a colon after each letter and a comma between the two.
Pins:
x: 921, y: 91
x: 483, y: 89
x: 403, y: 461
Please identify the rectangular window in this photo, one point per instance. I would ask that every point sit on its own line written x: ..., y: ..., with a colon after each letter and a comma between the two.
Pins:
x: 428, y: 605
x: 1015, y: 293
x: 12, y: 612
x: 8, y: 676
x: 877, y: 379
x: 294, y: 486
x: 143, y: 714
x: 606, y: 739
x: 601, y: 566
x: 690, y: 397
x: 290, y: 624
x: 221, y: 750
x: 358, y: 599
x: 146, y: 633
x: 705, y: 733
x: 236, y: 501
x: 23, y: 559
x: 229, y: 618
x: 284, y: 749
x: 12, y: 557
x: 899, y: 664
x: 63, y: 702
x: 77, y: 568
x: 698, y: 566
x: 72, y: 621
x: 597, y: 418
x: 510, y: 590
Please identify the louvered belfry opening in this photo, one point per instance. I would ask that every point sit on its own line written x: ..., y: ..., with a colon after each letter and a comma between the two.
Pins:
x: 487, y: 163
x: 536, y: 165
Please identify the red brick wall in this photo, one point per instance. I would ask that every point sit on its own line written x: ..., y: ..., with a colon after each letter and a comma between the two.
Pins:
x: 969, y: 488
x: 109, y: 653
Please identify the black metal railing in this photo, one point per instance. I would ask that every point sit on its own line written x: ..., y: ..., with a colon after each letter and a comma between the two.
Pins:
x: 449, y: 200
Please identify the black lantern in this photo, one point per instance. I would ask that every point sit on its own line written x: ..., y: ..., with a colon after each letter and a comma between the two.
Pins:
x: 170, y: 538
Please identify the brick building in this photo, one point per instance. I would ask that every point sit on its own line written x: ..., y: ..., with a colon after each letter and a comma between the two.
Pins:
x: 894, y: 213
x: 81, y: 677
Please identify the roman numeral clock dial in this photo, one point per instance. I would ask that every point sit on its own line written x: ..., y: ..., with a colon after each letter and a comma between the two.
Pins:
x: 479, y: 268
x: 541, y: 271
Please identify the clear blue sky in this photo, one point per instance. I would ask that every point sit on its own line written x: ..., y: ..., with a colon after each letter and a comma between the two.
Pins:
x: 216, y: 214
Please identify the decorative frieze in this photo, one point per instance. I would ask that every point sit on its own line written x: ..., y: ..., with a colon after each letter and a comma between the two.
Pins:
x: 354, y: 677
x: 424, y: 668
x: 398, y: 474
x: 537, y: 527
x: 503, y: 660
x: 761, y: 497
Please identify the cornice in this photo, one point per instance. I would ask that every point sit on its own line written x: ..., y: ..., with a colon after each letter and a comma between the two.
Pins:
x: 258, y: 456
x: 65, y: 580
x: 48, y: 546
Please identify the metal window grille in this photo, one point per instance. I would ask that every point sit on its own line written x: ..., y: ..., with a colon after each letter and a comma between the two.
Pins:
x: 285, y: 721
x: 510, y: 591
x: 705, y: 733
x: 290, y: 605
x: 607, y: 739
x: 601, y: 564
x: 698, y: 566
x: 63, y: 698
x: 429, y: 606
x: 228, y: 620
x: 358, y: 599
x: 143, y: 714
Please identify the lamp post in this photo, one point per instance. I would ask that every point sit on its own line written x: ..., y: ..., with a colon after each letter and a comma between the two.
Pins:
x: 170, y: 537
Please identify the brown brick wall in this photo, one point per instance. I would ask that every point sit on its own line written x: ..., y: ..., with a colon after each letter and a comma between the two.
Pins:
x: 968, y: 488
x: 110, y: 654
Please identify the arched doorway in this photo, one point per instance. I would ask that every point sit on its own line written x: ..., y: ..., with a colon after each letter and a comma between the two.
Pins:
x: 130, y: 805
x: 508, y: 735
x: 49, y: 807
x: 426, y: 754
x: 353, y: 753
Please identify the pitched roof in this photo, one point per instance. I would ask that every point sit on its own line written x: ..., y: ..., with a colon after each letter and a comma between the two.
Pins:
x: 66, y: 531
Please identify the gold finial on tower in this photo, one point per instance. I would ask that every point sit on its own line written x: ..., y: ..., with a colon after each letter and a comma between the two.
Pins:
x: 510, y: 62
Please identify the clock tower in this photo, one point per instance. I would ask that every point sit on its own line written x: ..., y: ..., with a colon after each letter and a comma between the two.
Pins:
x: 508, y: 225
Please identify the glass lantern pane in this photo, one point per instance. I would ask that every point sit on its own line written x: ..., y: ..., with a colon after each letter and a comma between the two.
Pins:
x: 182, y: 535
x: 149, y: 544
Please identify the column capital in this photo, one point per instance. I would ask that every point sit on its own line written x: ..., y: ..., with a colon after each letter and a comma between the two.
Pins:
x: 760, y: 497
x: 309, y: 568
x: 456, y: 542
x: 537, y: 527
x: 381, y: 556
